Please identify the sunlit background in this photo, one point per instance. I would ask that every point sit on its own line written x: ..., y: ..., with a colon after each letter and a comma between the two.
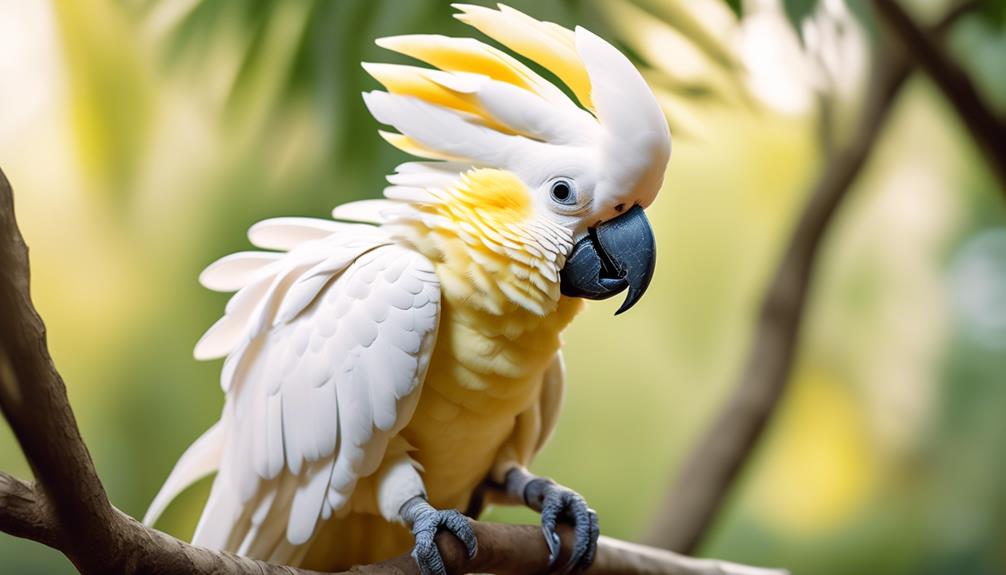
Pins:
x: 143, y: 138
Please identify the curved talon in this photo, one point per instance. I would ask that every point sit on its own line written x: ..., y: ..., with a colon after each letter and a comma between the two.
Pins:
x: 426, y: 522
x: 557, y: 502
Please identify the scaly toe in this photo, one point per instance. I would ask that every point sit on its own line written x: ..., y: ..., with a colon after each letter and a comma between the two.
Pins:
x: 580, y: 514
x: 426, y: 523
x: 562, y: 503
x: 595, y: 533
x: 461, y: 527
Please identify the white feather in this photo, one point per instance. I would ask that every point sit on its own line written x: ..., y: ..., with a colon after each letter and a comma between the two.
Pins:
x: 424, y: 175
x: 287, y: 233
x: 446, y: 131
x: 530, y: 114
x: 233, y: 272
x: 367, y: 211
x: 637, y: 143
x: 319, y: 392
x: 198, y: 461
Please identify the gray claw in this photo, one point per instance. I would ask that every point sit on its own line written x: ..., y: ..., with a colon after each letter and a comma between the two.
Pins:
x: 557, y: 502
x: 595, y: 532
x: 426, y: 523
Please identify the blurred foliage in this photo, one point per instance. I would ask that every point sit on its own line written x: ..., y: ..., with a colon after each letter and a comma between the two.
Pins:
x: 161, y: 130
x: 736, y: 6
x: 799, y: 10
x: 111, y: 109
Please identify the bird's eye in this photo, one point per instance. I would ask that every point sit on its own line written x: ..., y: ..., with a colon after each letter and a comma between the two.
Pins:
x: 563, y: 192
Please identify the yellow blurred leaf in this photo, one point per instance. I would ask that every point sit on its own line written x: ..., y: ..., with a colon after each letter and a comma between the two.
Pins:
x: 821, y: 471
x: 110, y: 95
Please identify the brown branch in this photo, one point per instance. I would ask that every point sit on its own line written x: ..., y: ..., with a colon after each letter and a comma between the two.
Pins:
x: 33, y: 399
x: 987, y: 130
x: 709, y: 472
x: 503, y: 549
x: 701, y: 488
x: 22, y: 514
x: 69, y: 510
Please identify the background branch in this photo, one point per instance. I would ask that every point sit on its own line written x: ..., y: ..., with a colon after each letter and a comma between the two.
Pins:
x: 69, y: 510
x: 987, y: 130
x: 700, y: 489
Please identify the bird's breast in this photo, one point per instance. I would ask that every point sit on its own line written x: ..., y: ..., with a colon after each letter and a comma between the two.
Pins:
x: 485, y: 370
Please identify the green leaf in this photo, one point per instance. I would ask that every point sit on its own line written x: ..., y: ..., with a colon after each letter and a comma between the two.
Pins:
x: 677, y: 15
x: 797, y: 11
x: 994, y: 12
x: 863, y: 14
x: 736, y: 6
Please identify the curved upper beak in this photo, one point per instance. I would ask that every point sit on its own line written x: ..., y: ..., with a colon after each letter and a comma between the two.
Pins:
x: 617, y: 254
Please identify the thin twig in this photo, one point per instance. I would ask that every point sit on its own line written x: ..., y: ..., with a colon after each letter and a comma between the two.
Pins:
x: 987, y: 130
x: 70, y: 511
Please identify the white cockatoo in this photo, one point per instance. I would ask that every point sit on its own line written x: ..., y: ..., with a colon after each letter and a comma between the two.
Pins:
x: 383, y: 368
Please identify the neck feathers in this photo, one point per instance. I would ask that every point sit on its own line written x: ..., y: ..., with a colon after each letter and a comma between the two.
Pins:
x: 489, y: 249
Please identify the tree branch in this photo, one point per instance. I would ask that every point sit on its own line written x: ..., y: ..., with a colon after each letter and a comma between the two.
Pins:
x: 69, y: 510
x: 22, y: 514
x: 503, y: 549
x: 987, y: 130
x: 705, y: 480
x: 33, y: 399
x: 704, y: 483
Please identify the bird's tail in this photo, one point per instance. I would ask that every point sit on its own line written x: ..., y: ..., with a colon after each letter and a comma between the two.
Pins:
x: 355, y: 539
x: 227, y: 524
x: 199, y: 460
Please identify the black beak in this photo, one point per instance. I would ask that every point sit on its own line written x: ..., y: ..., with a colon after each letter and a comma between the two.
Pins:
x: 619, y: 253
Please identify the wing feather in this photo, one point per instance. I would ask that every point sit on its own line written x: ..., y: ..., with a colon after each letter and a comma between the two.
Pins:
x: 287, y: 233
x: 199, y: 460
x: 233, y: 272
x: 326, y: 353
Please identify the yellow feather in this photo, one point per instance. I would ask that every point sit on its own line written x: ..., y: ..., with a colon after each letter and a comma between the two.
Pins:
x: 500, y: 321
x: 545, y: 43
x: 416, y: 82
x: 470, y: 55
x: 499, y: 193
x: 412, y: 147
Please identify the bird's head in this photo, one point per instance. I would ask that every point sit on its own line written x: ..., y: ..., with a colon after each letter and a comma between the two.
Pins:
x: 515, y: 156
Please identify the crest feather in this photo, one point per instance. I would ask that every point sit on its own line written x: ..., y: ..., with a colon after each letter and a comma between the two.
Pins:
x: 482, y: 107
x: 546, y: 43
x: 470, y: 55
x: 440, y: 88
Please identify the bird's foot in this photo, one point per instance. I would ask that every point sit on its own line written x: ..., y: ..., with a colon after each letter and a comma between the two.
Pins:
x: 558, y: 503
x: 426, y: 522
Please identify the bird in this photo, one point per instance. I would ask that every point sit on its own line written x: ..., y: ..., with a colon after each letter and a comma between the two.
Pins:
x: 398, y: 365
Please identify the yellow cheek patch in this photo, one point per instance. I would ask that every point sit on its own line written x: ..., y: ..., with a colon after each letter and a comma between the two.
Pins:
x: 493, y: 256
x: 492, y: 198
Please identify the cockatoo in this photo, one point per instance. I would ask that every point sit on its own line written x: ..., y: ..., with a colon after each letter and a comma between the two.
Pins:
x: 384, y: 368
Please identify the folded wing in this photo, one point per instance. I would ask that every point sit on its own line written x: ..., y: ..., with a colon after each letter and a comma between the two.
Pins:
x: 326, y: 349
